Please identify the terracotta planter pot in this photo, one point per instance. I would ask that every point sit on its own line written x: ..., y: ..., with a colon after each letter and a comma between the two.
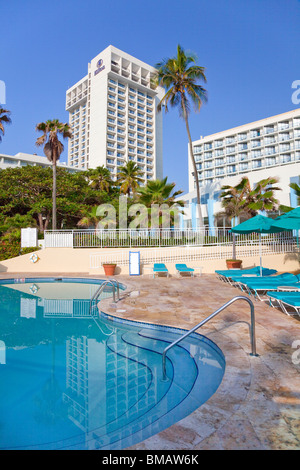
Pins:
x: 234, y: 263
x: 109, y: 269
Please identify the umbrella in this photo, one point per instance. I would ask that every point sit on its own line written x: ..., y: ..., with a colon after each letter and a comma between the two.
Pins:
x: 289, y: 220
x: 258, y: 224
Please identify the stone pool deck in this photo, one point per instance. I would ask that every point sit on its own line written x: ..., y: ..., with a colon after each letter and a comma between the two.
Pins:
x: 257, y: 405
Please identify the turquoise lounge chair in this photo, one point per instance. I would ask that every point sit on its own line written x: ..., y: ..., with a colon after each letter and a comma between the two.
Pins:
x: 160, y: 268
x: 285, y: 300
x: 260, y: 286
x: 228, y: 274
x: 182, y: 268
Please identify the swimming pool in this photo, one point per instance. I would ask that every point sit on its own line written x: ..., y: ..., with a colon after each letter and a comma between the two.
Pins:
x: 75, y: 380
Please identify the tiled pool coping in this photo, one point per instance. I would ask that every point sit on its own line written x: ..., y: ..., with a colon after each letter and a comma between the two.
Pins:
x: 257, y: 405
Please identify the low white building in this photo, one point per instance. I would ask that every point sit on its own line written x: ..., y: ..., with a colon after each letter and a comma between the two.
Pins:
x: 266, y: 148
x: 24, y: 159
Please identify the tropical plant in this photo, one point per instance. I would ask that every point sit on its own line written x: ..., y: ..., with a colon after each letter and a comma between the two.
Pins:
x: 180, y: 76
x: 159, y: 193
x: 4, y: 119
x: 262, y: 195
x: 53, y: 148
x: 100, y: 178
x: 241, y: 201
x: 296, y: 188
x: 129, y: 178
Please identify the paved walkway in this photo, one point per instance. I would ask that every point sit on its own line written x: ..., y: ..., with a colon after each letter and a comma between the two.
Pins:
x: 257, y: 405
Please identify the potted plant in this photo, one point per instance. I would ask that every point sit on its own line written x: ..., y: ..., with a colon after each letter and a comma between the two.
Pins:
x: 109, y: 268
x: 234, y: 263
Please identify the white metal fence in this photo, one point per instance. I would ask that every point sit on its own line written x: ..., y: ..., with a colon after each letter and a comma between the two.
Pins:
x: 169, y: 245
x: 155, y: 238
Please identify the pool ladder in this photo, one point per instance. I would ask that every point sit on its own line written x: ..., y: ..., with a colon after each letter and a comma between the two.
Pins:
x: 116, y: 288
x: 234, y: 299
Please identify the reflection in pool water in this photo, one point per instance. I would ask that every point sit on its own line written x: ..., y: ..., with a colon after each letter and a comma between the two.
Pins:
x: 75, y: 380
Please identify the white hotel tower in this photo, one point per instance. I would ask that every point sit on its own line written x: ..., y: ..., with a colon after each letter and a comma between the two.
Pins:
x: 112, y: 111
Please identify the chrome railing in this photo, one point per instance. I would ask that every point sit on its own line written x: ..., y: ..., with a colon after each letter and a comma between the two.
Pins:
x: 115, y: 287
x: 252, y: 330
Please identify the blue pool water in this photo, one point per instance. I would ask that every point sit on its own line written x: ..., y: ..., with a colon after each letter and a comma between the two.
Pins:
x: 72, y: 380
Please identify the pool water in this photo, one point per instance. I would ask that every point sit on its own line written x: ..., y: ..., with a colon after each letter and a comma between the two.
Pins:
x: 71, y: 379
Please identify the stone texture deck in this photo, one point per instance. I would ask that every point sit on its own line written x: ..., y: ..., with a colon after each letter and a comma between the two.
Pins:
x: 257, y: 405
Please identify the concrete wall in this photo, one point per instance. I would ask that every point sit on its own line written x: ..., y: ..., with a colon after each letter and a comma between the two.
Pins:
x: 68, y: 261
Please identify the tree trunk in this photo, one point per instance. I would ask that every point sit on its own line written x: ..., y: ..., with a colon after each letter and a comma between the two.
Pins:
x: 54, y: 191
x: 194, y: 165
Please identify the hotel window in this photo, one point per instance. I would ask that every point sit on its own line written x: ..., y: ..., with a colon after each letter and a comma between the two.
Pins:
x: 230, y: 149
x: 255, y: 133
x: 270, y: 161
x: 218, y: 143
x: 255, y: 143
x: 296, y: 122
x: 269, y: 129
x: 283, y: 125
x: 243, y: 166
x: 286, y: 158
x: 284, y: 147
x: 284, y: 136
x: 219, y: 153
x: 242, y: 146
x: 230, y: 140
x: 270, y: 150
x: 230, y: 159
x: 257, y: 164
x: 231, y: 169
x: 256, y: 153
x: 208, y: 146
x: 242, y: 136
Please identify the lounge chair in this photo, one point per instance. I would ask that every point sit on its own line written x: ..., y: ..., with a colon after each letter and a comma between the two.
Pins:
x: 160, y: 268
x: 260, y: 286
x: 285, y: 300
x: 182, y: 268
x: 228, y: 274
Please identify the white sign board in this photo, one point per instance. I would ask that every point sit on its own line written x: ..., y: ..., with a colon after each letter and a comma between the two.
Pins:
x: 29, y: 237
x: 134, y: 263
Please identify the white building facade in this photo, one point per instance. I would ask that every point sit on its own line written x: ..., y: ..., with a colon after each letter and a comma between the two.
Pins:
x: 268, y: 147
x: 24, y: 159
x: 112, y: 111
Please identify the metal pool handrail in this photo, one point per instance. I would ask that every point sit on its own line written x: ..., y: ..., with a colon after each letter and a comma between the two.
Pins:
x: 234, y: 299
x: 101, y: 287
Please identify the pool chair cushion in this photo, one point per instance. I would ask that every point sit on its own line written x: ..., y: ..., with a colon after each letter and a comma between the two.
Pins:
x: 242, y: 272
x: 160, y: 268
x: 182, y: 268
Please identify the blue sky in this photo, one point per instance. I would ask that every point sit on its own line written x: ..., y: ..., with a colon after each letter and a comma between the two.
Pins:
x: 250, y: 49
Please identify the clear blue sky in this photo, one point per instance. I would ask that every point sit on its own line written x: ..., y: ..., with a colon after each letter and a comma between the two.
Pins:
x: 250, y: 49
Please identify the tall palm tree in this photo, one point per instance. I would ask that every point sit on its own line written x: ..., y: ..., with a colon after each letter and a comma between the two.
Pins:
x: 4, y: 119
x: 100, y: 178
x: 53, y: 149
x: 129, y: 178
x: 180, y: 76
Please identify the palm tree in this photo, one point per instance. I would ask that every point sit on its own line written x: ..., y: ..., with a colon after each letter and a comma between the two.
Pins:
x: 243, y: 201
x: 180, y: 76
x: 263, y: 195
x: 129, y: 178
x: 53, y: 148
x: 100, y: 178
x: 159, y: 192
x: 4, y: 119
